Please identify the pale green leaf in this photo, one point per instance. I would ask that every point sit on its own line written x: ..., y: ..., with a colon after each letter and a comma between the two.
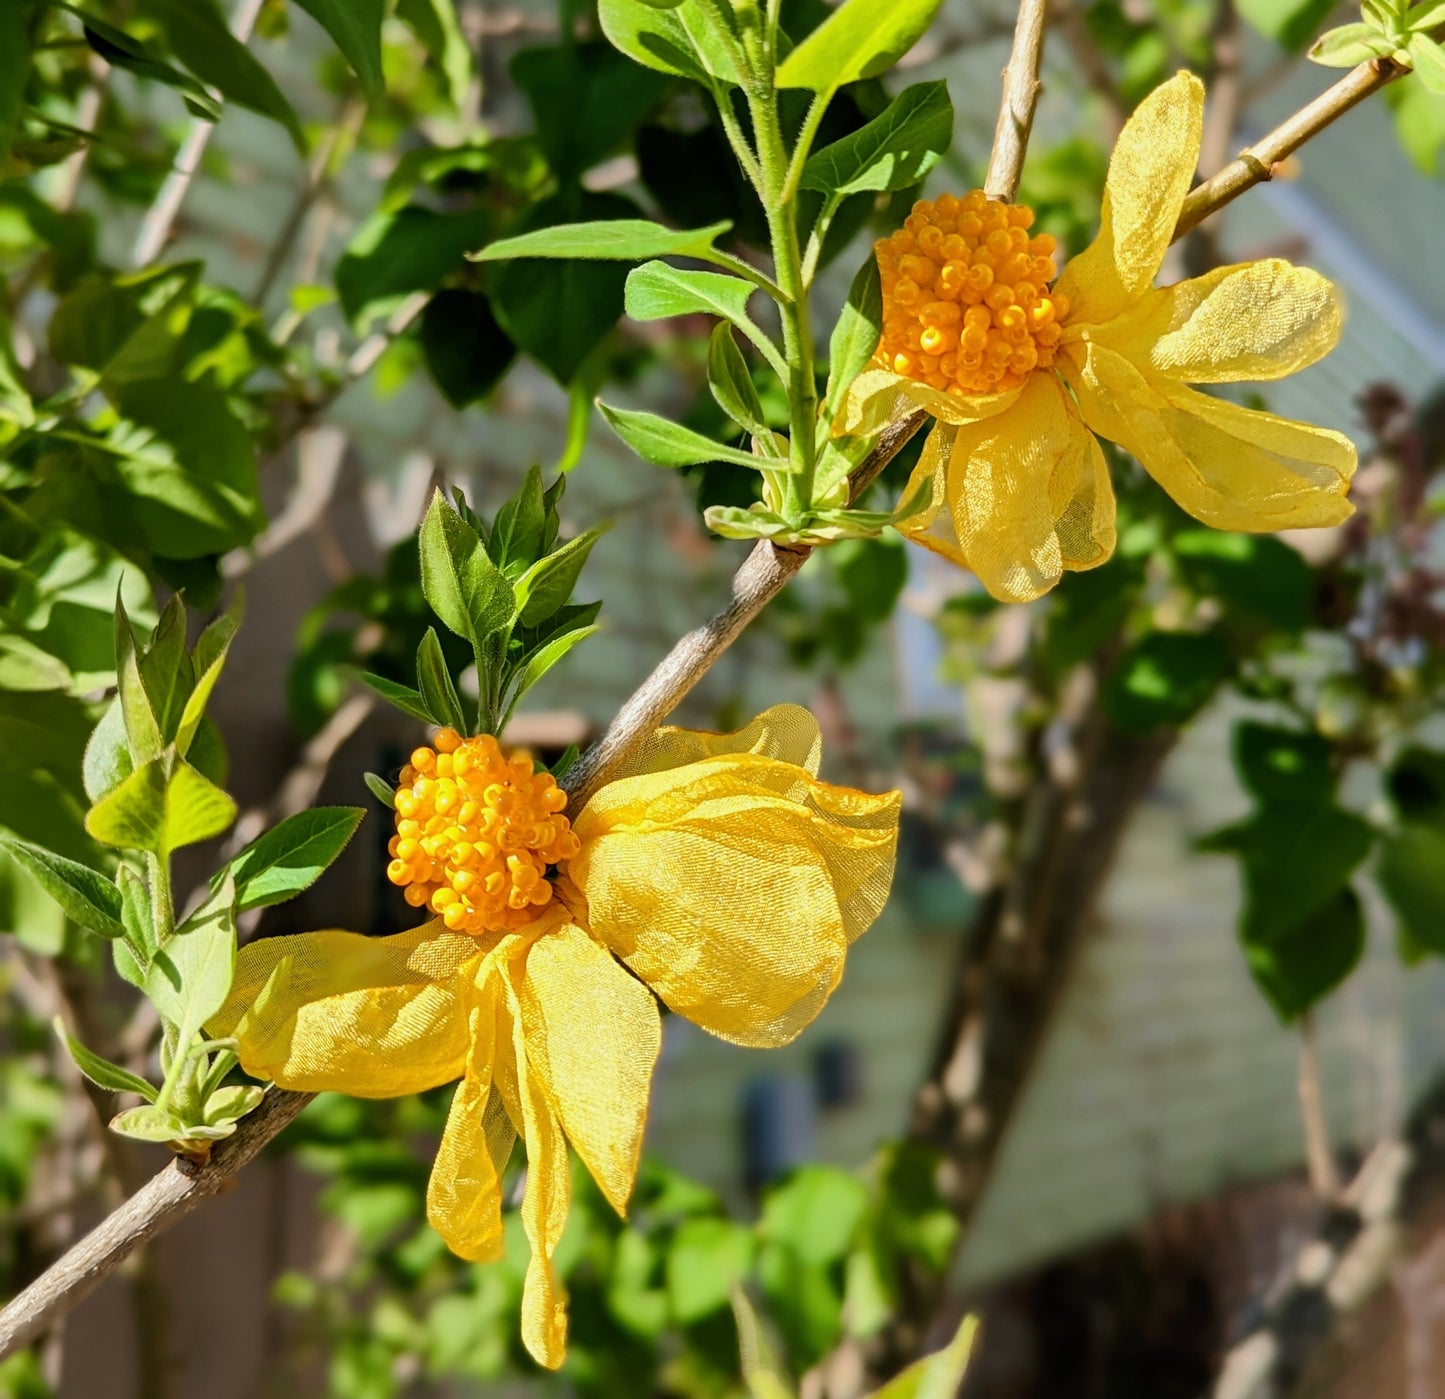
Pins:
x: 1429, y: 60
x: 763, y: 1372
x: 439, y: 694
x: 680, y: 39
x: 936, y: 1376
x: 666, y: 443
x: 855, y: 336
x: 657, y: 290
x: 617, y: 240
x: 226, y: 1105
x: 1348, y: 45
x: 101, y: 1071
x: 148, y: 1124
x: 860, y: 39
x: 157, y: 812
x: 732, y: 384
x: 190, y: 977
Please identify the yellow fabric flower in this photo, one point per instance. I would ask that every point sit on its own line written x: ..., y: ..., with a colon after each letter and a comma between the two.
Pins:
x: 715, y: 871
x: 1020, y: 376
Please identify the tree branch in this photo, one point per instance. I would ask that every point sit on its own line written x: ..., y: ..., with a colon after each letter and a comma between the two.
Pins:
x: 1255, y: 165
x: 1021, y: 88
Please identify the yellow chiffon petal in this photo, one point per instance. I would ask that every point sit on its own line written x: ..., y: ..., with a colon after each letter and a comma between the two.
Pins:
x: 877, y: 398
x: 593, y: 1034
x: 1255, y: 320
x: 464, y: 1195
x: 1231, y: 467
x: 932, y: 525
x: 373, y: 1017
x: 1149, y: 175
x: 733, y: 886
x: 1027, y: 493
x: 544, y: 1207
x: 786, y: 732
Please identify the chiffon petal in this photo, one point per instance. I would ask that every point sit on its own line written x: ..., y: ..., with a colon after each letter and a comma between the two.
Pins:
x: 593, y: 1034
x: 786, y: 732
x: 1149, y: 175
x: 1231, y: 467
x: 733, y: 886
x: 878, y: 398
x: 373, y: 1017
x: 1254, y: 320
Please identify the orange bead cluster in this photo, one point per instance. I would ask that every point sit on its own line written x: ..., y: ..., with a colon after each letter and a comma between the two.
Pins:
x: 476, y: 832
x: 966, y: 301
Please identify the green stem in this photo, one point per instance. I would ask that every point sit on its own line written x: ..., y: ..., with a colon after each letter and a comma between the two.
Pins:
x: 797, y: 332
x: 804, y: 147
x: 722, y: 99
x: 163, y: 907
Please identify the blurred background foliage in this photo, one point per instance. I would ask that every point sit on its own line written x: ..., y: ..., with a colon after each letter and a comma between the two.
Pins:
x: 147, y: 409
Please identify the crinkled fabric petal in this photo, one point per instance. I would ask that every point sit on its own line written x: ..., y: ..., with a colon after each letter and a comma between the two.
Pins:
x: 373, y: 1017
x: 733, y: 886
x: 877, y: 398
x: 932, y: 526
x: 1028, y: 496
x: 786, y: 732
x: 1231, y: 467
x: 1255, y: 320
x: 544, y: 1207
x: 464, y: 1196
x: 592, y: 1033
x: 1149, y: 175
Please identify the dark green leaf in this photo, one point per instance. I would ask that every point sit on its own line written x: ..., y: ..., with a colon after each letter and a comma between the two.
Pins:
x: 165, y: 669
x: 855, y: 336
x: 1296, y: 965
x: 1255, y: 576
x: 520, y: 526
x: 381, y: 789
x: 101, y: 1071
x: 355, y: 29
x: 435, y: 24
x: 1165, y: 678
x: 548, y: 655
x: 860, y: 39
x: 199, y: 37
x: 85, y: 897
x: 395, y: 254
x: 683, y: 40
x: 14, y: 67
x: 893, y: 151
x: 1411, y: 874
x: 120, y: 50
x: 1284, y: 767
x: 1416, y: 782
x: 291, y: 856
x: 439, y: 694
x: 666, y: 443
x: 466, y: 351
x: 142, y: 726
x: 463, y: 585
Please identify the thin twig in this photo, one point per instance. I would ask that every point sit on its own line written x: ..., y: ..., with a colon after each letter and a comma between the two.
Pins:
x: 1324, y: 1178
x: 1021, y: 87
x: 160, y: 218
x: 1255, y: 165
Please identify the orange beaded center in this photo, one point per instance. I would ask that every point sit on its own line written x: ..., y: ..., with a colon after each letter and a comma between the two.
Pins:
x: 967, y: 306
x: 476, y: 832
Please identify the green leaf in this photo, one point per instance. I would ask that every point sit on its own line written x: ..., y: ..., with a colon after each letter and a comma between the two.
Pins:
x: 732, y: 384
x: 559, y: 313
x: 893, y: 151
x: 355, y: 29
x: 200, y: 38
x: 191, y: 975
x: 1165, y: 678
x: 1419, y: 120
x: 126, y: 328
x: 212, y: 648
x: 462, y: 584
x: 860, y: 39
x: 520, y: 527
x: 1429, y: 60
x: 657, y: 290
x: 618, y: 240
x: 1290, y: 23
x: 936, y: 1376
x: 101, y: 1071
x: 1425, y: 14
x: 545, y: 657
x: 1416, y: 782
x: 142, y: 727
x: 1298, y: 964
x: 381, y: 789
x: 227, y: 1105
x: 1348, y: 45
x: 1411, y: 874
x: 292, y: 855
x: 1284, y: 767
x: 401, y: 697
x: 14, y: 69
x: 439, y: 694
x: 706, y: 1261
x: 763, y: 1372
x: 816, y: 1213
x: 26, y: 666
x: 681, y: 40
x: 466, y: 351
x: 548, y: 584
x: 165, y: 669
x: 121, y: 51
x: 396, y: 253
x: 435, y: 24
x: 86, y: 897
x: 855, y: 336
x: 666, y: 443
x: 1259, y: 579
x: 153, y: 812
